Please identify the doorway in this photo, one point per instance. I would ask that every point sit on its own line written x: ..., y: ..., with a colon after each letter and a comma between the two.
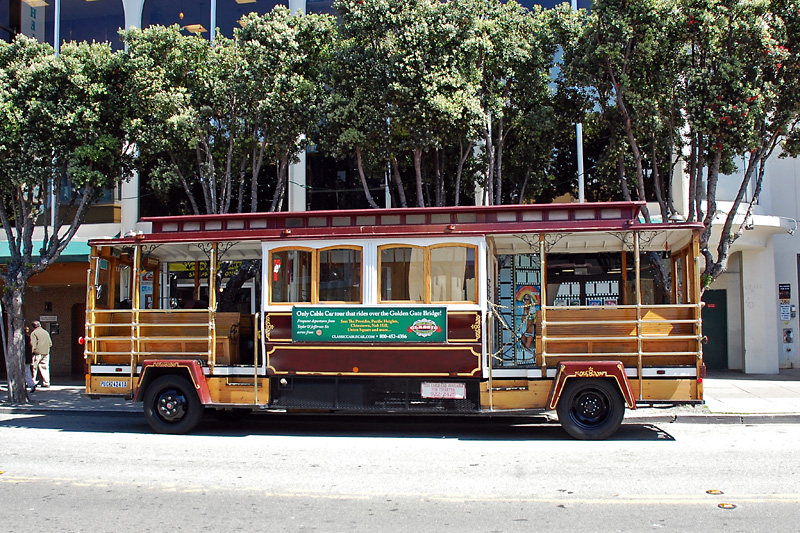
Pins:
x: 715, y: 328
x: 78, y: 367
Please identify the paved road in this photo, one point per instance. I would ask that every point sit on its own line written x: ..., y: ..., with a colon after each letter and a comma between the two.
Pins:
x: 102, y: 472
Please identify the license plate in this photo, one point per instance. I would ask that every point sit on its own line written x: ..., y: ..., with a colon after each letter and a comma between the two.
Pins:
x: 449, y: 391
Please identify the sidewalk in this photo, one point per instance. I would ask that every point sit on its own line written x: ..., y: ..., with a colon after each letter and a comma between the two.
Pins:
x: 729, y: 395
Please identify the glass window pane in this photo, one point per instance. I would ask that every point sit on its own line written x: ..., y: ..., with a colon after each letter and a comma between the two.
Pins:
x: 194, y: 16
x: 320, y: 7
x: 402, y: 274
x: 229, y: 12
x: 453, y: 274
x: 340, y: 275
x: 97, y: 21
x: 291, y: 276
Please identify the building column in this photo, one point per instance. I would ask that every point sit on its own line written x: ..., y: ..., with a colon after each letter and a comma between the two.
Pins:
x: 129, y: 208
x: 297, y: 183
x: 760, y: 311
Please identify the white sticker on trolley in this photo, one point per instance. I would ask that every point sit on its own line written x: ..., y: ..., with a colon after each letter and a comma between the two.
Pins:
x: 114, y: 384
x: 448, y: 391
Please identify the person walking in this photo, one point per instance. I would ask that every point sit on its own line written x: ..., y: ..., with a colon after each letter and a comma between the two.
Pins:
x: 41, y: 344
x: 29, y: 361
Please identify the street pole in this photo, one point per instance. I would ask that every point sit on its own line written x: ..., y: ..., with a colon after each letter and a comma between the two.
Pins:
x: 579, y: 141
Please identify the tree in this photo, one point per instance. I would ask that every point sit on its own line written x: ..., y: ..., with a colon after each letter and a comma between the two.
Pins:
x: 516, y: 53
x: 356, y: 119
x: 284, y: 55
x: 719, y: 77
x: 62, y: 145
x: 209, y: 114
x: 433, y: 85
x: 628, y: 55
x: 189, y: 101
x: 743, y: 97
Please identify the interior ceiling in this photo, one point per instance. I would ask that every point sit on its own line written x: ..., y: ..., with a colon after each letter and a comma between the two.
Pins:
x: 663, y: 240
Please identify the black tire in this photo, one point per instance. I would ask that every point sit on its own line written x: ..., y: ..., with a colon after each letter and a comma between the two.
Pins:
x: 590, y: 409
x: 171, y: 405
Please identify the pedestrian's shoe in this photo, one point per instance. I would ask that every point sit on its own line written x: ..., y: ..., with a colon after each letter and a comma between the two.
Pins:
x: 45, y: 385
x: 33, y: 388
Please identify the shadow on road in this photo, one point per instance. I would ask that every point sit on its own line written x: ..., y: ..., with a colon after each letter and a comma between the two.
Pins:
x: 350, y: 426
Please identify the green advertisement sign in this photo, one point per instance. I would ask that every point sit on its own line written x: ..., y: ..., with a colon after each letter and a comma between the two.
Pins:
x: 369, y: 324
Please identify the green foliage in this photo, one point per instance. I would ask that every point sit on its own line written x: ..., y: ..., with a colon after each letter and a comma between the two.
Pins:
x: 62, y: 144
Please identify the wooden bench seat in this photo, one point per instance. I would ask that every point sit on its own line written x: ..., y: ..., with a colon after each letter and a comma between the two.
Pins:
x: 668, y: 335
x: 173, y: 334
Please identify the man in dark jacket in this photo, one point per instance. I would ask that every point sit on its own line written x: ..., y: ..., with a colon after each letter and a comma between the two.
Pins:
x: 29, y: 360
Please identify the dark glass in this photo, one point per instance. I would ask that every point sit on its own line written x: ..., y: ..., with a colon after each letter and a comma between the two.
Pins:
x: 194, y: 16
x: 95, y: 21
x: 229, y: 12
x: 320, y: 7
x: 340, y: 275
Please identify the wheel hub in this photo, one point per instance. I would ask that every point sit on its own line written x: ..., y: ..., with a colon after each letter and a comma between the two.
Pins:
x: 171, y: 405
x: 590, y: 408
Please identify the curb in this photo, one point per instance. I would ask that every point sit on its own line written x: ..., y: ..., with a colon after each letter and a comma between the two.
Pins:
x: 716, y: 418
x: 663, y: 418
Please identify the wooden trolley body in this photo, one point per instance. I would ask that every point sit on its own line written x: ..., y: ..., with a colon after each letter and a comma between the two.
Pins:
x: 442, y: 310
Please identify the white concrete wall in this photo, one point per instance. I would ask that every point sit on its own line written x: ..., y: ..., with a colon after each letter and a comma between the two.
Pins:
x: 782, y: 187
x: 760, y: 311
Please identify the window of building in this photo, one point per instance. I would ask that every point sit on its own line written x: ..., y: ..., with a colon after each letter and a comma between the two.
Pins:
x: 230, y: 12
x: 35, y: 20
x: 590, y: 279
x: 320, y: 7
x: 194, y: 16
x: 95, y: 21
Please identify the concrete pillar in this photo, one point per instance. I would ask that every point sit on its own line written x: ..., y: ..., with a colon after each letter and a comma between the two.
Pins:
x: 133, y: 13
x: 297, y: 184
x: 129, y: 209
x: 760, y: 311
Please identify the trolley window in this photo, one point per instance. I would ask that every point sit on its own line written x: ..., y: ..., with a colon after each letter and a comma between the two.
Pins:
x: 340, y: 275
x: 402, y: 274
x: 453, y: 274
x: 291, y: 276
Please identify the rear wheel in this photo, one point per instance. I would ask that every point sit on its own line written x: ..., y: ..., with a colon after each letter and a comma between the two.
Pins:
x: 171, y: 405
x: 590, y: 409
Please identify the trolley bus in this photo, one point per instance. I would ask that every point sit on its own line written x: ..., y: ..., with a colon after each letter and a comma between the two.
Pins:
x: 579, y: 308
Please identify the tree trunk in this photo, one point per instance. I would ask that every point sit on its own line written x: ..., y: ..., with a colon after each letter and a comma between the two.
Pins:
x: 280, y: 188
x: 623, y: 181
x: 462, y: 158
x: 438, y: 158
x: 258, y: 160
x: 498, y: 191
x: 15, y: 345
x: 363, y: 178
x: 418, y: 174
x: 489, y: 147
x: 401, y: 193
x: 525, y: 180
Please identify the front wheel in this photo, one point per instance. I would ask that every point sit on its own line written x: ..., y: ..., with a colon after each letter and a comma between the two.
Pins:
x: 590, y: 409
x: 171, y: 405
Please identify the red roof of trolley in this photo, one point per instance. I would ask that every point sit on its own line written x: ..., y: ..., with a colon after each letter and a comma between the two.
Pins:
x: 396, y: 222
